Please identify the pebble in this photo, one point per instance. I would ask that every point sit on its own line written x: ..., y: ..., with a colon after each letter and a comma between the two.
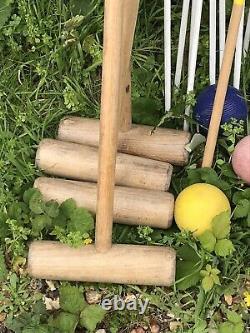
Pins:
x: 101, y: 331
x: 154, y: 327
x: 51, y: 304
x: 2, y: 316
x: 174, y: 325
x: 129, y: 297
x: 51, y: 285
x: 228, y: 299
x: 93, y: 297
x: 36, y: 284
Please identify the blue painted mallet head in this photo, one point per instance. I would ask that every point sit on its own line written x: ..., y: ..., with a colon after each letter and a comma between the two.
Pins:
x: 235, y: 106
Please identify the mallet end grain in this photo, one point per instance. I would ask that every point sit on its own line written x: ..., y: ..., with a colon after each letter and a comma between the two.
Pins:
x: 128, y: 264
x: 167, y: 145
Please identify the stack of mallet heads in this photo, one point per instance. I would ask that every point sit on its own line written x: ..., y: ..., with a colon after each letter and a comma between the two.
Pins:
x: 131, y: 186
x: 142, y: 166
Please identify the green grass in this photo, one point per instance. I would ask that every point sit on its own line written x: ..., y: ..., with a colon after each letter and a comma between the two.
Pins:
x: 50, y: 68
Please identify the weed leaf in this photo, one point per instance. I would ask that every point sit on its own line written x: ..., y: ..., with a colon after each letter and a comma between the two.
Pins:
x: 37, y: 329
x: 60, y: 220
x: 224, y: 248
x: 5, y: 11
x: 207, y: 283
x: 4, y: 229
x: 36, y: 203
x: 241, y: 195
x: 242, y: 209
x: 72, y: 299
x: 221, y: 225
x: 68, y: 207
x: 65, y: 322
x: 52, y: 208
x: 29, y: 193
x: 3, y: 268
x: 226, y: 328
x: 207, y: 240
x: 233, y: 317
x: 39, y: 223
x: 81, y: 220
x: 188, y: 268
x: 91, y: 316
x: 233, y: 325
x: 82, y: 7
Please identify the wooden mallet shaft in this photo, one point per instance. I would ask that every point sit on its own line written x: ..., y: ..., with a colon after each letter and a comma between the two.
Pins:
x: 223, y: 82
x: 109, y: 122
x: 130, y: 13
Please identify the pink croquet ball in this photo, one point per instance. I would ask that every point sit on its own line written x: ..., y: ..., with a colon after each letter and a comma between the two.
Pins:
x: 241, y: 159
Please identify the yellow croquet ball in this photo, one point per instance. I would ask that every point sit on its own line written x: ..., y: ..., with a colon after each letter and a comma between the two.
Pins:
x: 197, y: 205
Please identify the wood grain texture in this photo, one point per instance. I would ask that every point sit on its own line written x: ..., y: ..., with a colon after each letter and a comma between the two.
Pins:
x: 80, y: 162
x: 128, y: 264
x: 167, y: 145
x: 131, y: 206
x: 109, y: 121
x: 222, y: 84
x: 128, y: 29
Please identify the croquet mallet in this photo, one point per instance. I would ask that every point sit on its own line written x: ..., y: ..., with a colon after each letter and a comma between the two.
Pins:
x: 104, y: 262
